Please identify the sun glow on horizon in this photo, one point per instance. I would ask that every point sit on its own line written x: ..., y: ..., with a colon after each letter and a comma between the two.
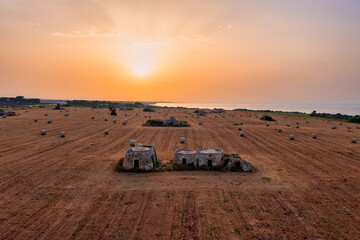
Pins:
x: 141, y: 60
x: 141, y: 66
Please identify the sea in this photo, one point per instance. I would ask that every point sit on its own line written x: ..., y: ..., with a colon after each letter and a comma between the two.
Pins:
x: 333, y: 108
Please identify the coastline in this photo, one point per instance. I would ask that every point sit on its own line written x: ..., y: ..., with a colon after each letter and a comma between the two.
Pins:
x: 352, y: 109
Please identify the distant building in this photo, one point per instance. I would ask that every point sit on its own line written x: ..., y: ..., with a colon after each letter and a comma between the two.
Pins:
x: 171, y: 122
x: 201, y: 112
x: 218, y: 110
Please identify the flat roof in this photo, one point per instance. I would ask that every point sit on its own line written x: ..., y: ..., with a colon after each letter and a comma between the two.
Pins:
x: 140, y: 149
x: 209, y: 150
x: 185, y: 151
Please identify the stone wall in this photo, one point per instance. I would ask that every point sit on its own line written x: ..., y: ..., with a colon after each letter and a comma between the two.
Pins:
x: 189, y: 155
x: 199, y: 158
x: 206, y: 154
x: 143, y: 154
x: 236, y: 162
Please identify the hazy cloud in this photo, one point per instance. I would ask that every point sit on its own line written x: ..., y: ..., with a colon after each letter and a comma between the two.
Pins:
x: 35, y: 24
x: 151, y: 42
x: 193, y: 38
x: 92, y: 32
x: 225, y: 27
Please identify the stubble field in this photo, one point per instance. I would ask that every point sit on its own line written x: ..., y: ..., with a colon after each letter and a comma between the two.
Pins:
x: 66, y: 188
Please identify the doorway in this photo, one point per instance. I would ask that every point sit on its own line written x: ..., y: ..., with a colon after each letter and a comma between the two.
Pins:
x: 209, y: 163
x: 136, y: 163
x: 184, y: 161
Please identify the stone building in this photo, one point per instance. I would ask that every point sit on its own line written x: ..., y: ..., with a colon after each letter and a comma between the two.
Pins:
x: 235, y: 161
x: 201, y: 112
x: 185, y: 157
x: 209, y: 157
x: 142, y: 158
x: 218, y: 110
x: 173, y: 122
x: 202, y: 157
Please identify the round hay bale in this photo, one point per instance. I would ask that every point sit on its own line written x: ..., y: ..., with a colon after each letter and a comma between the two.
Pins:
x: 35, y: 119
x: 124, y: 122
x: 354, y: 140
x: 106, y: 119
x: 334, y: 127
x: 132, y: 143
x: 49, y: 121
x: 307, y: 121
x: 279, y: 129
x: 341, y: 124
x: 288, y: 124
x: 200, y: 123
x: 267, y: 124
x: 358, y: 127
x: 292, y: 137
x: 242, y: 134
x: 297, y: 122
x: 314, y: 136
x: 62, y: 134
x: 4, y: 116
x: 92, y: 117
x: 349, y: 127
x: 182, y: 140
x: 43, y: 132
x: 239, y: 128
x: 106, y: 131
x: 45, y: 114
x: 114, y: 121
x: 241, y: 123
x: 139, y: 145
x: 66, y: 114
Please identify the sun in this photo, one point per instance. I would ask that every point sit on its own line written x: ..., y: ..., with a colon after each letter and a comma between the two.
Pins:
x: 141, y: 61
x: 141, y: 65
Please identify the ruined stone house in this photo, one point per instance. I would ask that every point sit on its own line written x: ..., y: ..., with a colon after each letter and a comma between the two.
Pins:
x: 209, y: 157
x: 142, y: 158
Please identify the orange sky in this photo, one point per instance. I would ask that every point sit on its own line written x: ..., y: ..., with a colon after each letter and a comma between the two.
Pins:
x: 195, y: 51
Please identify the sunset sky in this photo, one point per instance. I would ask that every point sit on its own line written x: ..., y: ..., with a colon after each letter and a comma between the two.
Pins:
x: 194, y: 51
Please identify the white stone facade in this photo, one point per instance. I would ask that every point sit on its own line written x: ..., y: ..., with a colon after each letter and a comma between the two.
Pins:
x: 210, y: 157
x: 185, y: 157
x: 139, y: 158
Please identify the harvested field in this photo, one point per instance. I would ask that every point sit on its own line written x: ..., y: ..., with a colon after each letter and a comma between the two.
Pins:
x: 66, y: 188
